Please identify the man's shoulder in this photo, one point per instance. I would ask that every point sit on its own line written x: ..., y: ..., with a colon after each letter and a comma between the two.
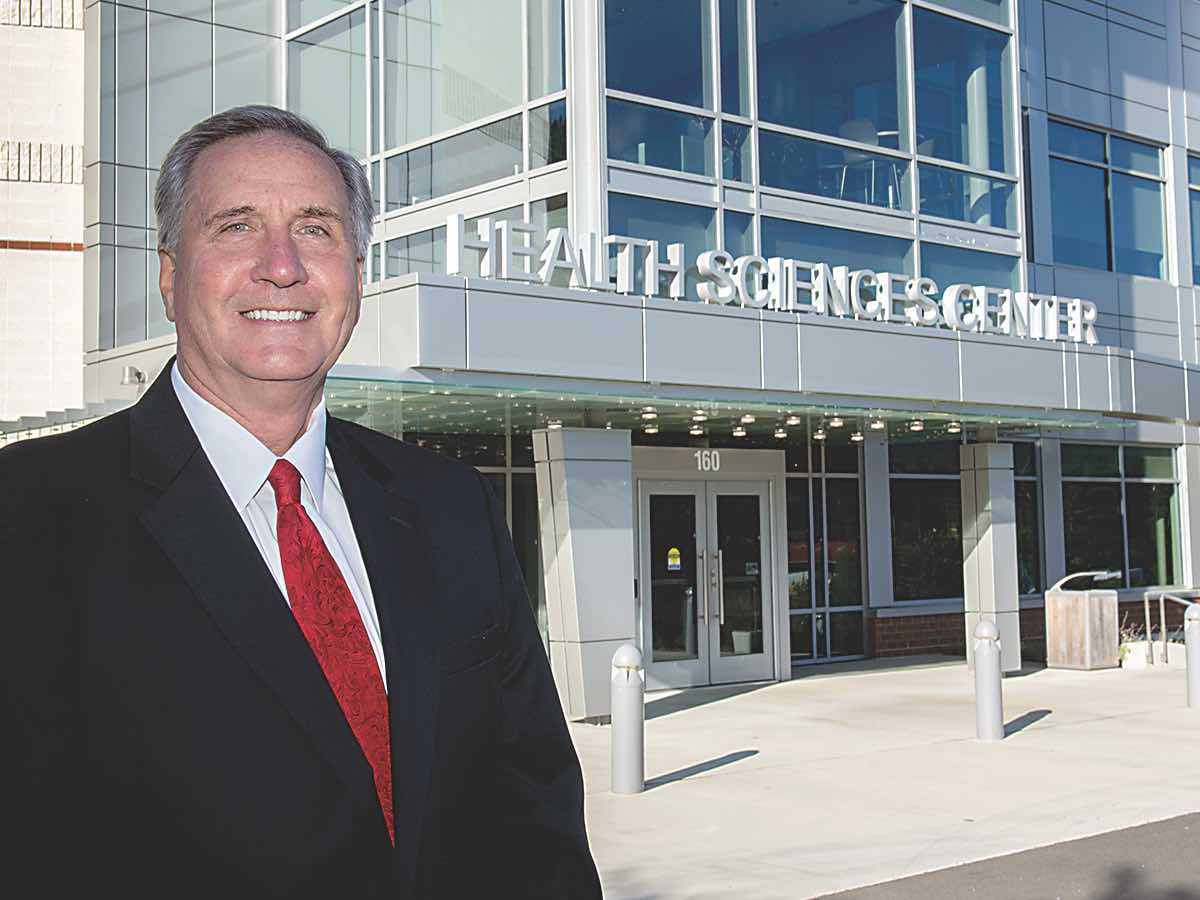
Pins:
x: 70, y: 451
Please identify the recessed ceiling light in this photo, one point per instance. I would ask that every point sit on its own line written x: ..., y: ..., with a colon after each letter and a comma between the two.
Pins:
x: 819, y: 434
x: 696, y: 430
x: 699, y: 416
x: 781, y: 432
x: 836, y: 422
x: 953, y: 428
x: 877, y: 424
x: 916, y: 425
x: 748, y: 419
x: 651, y: 429
x: 554, y: 423
x: 739, y: 431
x: 649, y: 414
x: 857, y: 437
x: 794, y: 420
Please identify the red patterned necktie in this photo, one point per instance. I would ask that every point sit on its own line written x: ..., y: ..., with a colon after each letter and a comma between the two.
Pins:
x: 327, y: 614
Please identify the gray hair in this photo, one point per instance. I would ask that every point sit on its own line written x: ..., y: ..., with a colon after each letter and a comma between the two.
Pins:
x: 170, y: 196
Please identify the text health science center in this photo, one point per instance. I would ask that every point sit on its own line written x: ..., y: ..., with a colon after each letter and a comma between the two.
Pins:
x: 787, y: 331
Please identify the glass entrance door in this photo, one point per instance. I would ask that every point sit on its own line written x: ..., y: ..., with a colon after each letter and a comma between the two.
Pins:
x: 706, y: 582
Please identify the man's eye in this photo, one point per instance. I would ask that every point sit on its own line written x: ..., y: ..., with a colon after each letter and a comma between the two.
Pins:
x: 236, y: 227
x: 313, y: 229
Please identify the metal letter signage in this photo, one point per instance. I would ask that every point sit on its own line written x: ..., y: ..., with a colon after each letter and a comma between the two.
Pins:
x: 505, y: 250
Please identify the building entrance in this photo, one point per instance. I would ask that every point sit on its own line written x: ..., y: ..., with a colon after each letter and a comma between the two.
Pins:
x: 706, y: 575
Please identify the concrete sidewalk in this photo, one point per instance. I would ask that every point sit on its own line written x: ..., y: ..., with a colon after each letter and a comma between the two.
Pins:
x: 839, y: 780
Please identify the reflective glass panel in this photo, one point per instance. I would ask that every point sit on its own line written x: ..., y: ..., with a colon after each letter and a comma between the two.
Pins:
x: 802, y: 636
x: 1090, y: 460
x: 1153, y: 529
x: 833, y: 67
x: 673, y: 592
x: 924, y: 457
x: 735, y: 152
x: 548, y: 134
x: 300, y: 12
x: 846, y: 634
x: 836, y: 246
x: 666, y: 222
x: 1137, y: 226
x: 1080, y: 214
x: 327, y: 80
x: 992, y: 10
x: 843, y: 544
x: 1193, y: 170
x: 650, y: 136
x: 952, y: 194
x: 447, y: 63
x: 964, y: 107
x: 830, y: 170
x: 424, y: 251
x: 735, y: 43
x: 1194, y: 207
x: 544, y: 215
x: 739, y: 233
x: 957, y: 265
x: 660, y: 49
x: 1029, y: 546
x: 179, y: 88
x: 739, y: 543
x: 1092, y: 526
x: 1024, y: 459
x: 546, y: 59
x: 455, y: 163
x: 926, y: 538
x: 1149, y: 462
x: 473, y: 449
x: 1138, y: 157
x: 525, y: 537
x: 1079, y: 142
x: 799, y: 546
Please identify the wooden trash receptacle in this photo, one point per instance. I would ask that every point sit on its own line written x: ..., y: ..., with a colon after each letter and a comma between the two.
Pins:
x: 1081, y: 630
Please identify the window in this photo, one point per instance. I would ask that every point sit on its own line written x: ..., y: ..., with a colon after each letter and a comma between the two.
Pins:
x: 926, y: 520
x: 957, y: 265
x: 455, y: 163
x: 1106, y: 202
x: 735, y: 152
x: 735, y: 43
x: 951, y: 194
x: 1029, y: 517
x: 836, y: 246
x: 1099, y: 480
x: 548, y: 134
x: 453, y: 62
x: 739, y: 233
x: 660, y: 49
x: 424, y: 251
x: 824, y: 557
x: 832, y: 170
x: 964, y: 113
x: 650, y: 136
x: 327, y: 80
x: 547, y: 62
x: 667, y: 222
x: 834, y: 68
x: 1194, y: 206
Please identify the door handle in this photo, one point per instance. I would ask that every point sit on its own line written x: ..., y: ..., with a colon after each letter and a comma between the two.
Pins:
x: 721, y: 584
x: 703, y: 588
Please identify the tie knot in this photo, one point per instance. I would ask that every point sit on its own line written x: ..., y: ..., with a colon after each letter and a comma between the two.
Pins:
x: 285, y: 481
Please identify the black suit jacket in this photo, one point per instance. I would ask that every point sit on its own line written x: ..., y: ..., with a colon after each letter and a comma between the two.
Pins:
x: 170, y: 732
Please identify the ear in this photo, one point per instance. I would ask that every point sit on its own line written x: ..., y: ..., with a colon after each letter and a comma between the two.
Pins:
x: 166, y: 282
x: 360, y: 265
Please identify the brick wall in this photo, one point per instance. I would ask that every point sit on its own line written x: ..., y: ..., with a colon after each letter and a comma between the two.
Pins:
x: 42, y: 13
x: 945, y: 633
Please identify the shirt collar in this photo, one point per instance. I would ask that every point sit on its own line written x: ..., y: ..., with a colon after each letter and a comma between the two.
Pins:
x: 242, y: 462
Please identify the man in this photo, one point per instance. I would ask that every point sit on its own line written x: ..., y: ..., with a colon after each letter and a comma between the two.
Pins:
x: 250, y: 648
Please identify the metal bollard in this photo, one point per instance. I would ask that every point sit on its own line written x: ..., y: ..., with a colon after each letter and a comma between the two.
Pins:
x: 1191, y: 636
x: 989, y: 696
x: 628, y: 721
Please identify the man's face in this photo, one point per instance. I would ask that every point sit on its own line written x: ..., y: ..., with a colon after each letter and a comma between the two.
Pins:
x: 264, y: 284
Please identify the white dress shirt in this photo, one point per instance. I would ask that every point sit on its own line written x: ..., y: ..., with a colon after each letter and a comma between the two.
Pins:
x: 243, y: 463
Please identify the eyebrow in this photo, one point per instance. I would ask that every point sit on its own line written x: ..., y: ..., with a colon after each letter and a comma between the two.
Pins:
x: 231, y: 213
x: 314, y: 212
x: 320, y: 212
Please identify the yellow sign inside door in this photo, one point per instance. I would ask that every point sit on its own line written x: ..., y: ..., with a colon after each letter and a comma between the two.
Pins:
x: 673, y: 560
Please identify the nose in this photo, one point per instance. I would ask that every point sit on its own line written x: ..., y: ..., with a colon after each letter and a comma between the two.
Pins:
x: 279, y: 261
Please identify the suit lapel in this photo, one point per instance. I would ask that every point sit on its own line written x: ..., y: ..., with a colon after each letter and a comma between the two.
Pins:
x: 388, y: 524
x: 198, y: 528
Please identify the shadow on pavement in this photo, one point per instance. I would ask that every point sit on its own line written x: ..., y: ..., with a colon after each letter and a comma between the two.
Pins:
x: 1129, y: 883
x: 693, y: 697
x: 698, y: 768
x: 1024, y: 721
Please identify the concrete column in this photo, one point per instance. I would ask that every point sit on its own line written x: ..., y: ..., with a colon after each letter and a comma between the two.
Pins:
x: 990, y: 547
x: 585, y: 513
x: 878, y: 502
x: 586, y: 116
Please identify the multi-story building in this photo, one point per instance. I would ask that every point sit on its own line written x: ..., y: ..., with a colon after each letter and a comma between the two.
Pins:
x: 949, y: 315
x: 41, y: 207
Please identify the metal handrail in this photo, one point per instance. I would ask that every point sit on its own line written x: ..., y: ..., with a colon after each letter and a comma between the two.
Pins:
x: 1163, y: 597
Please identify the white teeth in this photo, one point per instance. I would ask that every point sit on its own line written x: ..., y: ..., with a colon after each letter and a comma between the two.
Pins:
x: 277, y: 315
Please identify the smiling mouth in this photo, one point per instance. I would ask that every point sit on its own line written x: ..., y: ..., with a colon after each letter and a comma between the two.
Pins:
x: 276, y: 315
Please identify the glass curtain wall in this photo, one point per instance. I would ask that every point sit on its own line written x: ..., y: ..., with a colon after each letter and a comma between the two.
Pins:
x: 758, y: 95
x: 437, y: 97
x: 824, y: 549
x: 1101, y: 480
